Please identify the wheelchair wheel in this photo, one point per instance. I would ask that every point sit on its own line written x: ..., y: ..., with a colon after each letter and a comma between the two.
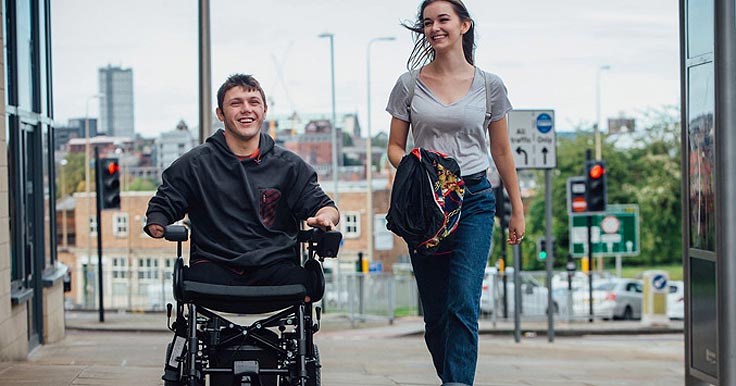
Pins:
x: 314, y: 370
x: 168, y: 372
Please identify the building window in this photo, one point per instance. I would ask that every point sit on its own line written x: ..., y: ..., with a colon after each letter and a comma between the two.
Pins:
x: 351, y: 225
x: 147, y: 269
x: 92, y: 225
x: 120, y: 224
x: 119, y: 268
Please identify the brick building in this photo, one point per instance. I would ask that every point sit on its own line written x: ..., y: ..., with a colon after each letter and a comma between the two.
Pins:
x: 136, y: 267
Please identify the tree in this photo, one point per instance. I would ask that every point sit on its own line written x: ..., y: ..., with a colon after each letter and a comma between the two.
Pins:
x: 73, y: 175
x: 141, y: 184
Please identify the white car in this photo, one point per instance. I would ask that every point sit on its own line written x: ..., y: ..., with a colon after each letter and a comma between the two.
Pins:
x: 612, y: 299
x: 676, y: 300
x: 533, y: 293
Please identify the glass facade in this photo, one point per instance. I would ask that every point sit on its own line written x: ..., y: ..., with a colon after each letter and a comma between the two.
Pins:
x: 699, y: 28
x: 701, y: 157
x: 24, y: 57
x: 29, y: 133
x: 700, y: 167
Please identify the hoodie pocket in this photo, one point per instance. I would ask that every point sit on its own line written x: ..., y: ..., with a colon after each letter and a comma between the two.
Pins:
x: 268, y: 202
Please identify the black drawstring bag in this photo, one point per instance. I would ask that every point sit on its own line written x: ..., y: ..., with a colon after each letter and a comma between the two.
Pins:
x: 426, y: 199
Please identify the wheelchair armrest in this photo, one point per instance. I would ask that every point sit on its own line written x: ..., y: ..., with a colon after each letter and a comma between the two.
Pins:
x: 176, y: 233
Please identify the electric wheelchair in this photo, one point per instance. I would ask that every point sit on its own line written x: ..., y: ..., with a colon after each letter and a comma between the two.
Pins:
x: 276, y: 350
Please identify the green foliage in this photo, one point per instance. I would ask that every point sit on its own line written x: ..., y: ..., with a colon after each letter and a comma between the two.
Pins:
x: 645, y: 171
x: 142, y: 184
x: 674, y: 271
x: 73, y: 175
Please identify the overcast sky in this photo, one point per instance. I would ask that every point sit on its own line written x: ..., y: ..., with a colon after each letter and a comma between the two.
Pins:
x: 547, y: 53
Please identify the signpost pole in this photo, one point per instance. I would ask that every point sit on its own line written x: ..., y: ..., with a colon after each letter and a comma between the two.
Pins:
x: 517, y: 292
x: 590, y: 268
x: 550, y: 254
x: 590, y: 257
x: 502, y: 244
x: 534, y: 144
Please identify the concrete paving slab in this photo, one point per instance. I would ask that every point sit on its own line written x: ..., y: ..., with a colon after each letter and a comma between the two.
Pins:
x: 134, y: 358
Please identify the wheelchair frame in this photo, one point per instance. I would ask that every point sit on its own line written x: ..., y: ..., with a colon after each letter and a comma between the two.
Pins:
x: 246, y: 355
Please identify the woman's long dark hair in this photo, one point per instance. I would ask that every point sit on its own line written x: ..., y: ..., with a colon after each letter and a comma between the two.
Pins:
x: 423, y: 52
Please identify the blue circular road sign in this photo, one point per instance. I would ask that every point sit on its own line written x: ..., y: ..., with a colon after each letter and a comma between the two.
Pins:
x: 544, y: 123
x: 659, y: 282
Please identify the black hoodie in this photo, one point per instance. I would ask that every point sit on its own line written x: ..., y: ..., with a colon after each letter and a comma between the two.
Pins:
x: 243, y: 213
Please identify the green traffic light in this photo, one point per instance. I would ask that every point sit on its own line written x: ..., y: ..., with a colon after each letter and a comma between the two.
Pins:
x: 542, y: 255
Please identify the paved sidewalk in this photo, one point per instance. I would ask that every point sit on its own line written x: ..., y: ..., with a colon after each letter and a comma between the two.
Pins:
x: 350, y: 359
x: 128, y: 349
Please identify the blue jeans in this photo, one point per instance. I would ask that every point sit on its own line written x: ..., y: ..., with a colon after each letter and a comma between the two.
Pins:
x: 457, y: 268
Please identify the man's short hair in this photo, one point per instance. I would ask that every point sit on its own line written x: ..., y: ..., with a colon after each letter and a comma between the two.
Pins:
x: 247, y: 82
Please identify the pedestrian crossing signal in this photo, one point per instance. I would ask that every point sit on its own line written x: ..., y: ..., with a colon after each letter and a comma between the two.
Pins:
x: 542, y: 249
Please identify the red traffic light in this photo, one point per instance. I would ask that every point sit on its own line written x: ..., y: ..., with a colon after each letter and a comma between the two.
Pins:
x: 113, y: 168
x: 597, y: 171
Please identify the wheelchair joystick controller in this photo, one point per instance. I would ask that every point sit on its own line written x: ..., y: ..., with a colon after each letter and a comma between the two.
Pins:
x: 169, y: 307
x: 318, y: 314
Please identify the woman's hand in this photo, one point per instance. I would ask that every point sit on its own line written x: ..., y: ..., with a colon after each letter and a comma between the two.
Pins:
x: 517, y: 228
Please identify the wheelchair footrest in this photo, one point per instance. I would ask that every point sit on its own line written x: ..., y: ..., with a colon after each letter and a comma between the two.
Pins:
x: 246, y: 368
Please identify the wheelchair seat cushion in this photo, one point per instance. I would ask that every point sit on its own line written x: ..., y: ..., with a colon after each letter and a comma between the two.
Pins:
x: 242, y: 299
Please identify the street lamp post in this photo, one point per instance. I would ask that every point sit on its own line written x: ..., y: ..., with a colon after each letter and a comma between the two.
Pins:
x: 369, y: 147
x: 87, y: 173
x: 335, y: 171
x: 205, y: 72
x: 598, y: 154
x: 125, y: 205
x: 598, y: 110
x: 64, y: 234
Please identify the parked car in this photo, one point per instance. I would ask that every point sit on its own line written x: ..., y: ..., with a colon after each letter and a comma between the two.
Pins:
x: 676, y: 300
x: 612, y: 299
x: 533, y: 293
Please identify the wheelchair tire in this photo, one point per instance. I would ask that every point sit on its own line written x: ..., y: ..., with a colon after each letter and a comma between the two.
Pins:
x: 180, y: 382
x: 314, y: 370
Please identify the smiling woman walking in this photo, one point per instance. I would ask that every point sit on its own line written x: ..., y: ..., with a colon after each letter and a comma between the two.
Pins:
x: 455, y: 108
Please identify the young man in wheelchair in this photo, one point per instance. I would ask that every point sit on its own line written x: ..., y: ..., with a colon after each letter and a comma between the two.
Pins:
x: 245, y: 198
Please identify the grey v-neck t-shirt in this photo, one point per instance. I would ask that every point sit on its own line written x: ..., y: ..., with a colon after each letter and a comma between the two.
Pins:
x: 458, y: 129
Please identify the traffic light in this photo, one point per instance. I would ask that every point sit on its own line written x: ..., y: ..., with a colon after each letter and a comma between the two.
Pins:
x: 361, y: 265
x: 542, y: 249
x: 595, y: 186
x: 109, y: 183
x: 503, y: 207
x: 576, y: 195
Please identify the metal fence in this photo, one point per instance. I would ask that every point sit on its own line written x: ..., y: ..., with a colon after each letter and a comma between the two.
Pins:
x: 363, y: 296
x: 145, y: 288
x: 569, y: 304
x: 359, y: 296
x: 149, y: 288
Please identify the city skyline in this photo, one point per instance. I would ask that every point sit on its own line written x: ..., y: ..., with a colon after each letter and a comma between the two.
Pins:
x: 548, y: 57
